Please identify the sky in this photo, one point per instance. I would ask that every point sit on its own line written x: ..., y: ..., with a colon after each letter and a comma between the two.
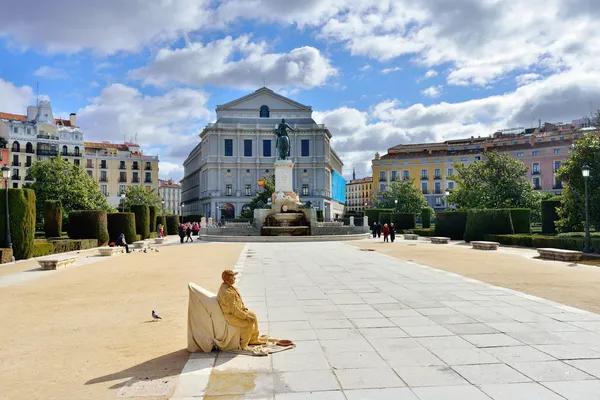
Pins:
x: 377, y: 72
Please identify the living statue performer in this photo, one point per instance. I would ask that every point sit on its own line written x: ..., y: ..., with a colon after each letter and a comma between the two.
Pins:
x: 236, y: 313
x: 283, y: 140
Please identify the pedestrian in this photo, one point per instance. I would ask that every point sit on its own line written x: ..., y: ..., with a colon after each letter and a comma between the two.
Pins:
x: 374, y: 229
x: 386, y: 233
x: 122, y: 242
x: 378, y: 230
x: 195, y: 229
x: 181, y: 231
x: 392, y: 232
x: 188, y: 232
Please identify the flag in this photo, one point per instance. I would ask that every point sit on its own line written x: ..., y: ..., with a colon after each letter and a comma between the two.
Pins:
x: 261, y: 182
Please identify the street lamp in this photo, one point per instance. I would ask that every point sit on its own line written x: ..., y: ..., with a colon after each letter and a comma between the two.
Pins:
x: 395, y: 204
x: 585, y: 171
x: 123, y: 196
x: 163, y: 207
x: 182, y: 205
x: 6, y: 176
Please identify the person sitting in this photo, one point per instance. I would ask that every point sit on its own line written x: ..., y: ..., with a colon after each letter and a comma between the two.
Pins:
x: 236, y: 313
x: 122, y: 242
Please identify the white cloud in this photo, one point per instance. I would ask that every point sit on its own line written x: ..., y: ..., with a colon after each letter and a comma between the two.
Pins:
x: 527, y: 78
x: 432, y: 91
x: 14, y: 99
x: 170, y: 170
x: 387, y: 71
x: 51, y: 72
x: 431, y: 73
x: 364, y: 68
x: 215, y: 63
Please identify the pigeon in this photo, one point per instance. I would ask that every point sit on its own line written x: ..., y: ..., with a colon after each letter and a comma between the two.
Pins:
x: 155, y: 316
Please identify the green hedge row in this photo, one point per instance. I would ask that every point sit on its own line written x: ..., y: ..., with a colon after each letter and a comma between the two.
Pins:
x: 451, y: 224
x: 22, y: 221
x: 63, y: 246
x: 89, y: 225
x: 53, y: 216
x: 320, y: 215
x: 385, y: 218
x: 426, y: 217
x: 484, y: 222
x: 404, y: 220
x: 373, y: 214
x: 142, y: 220
x: 122, y: 223
x: 521, y: 219
x: 541, y: 241
x: 423, y: 232
x: 43, y: 249
x: 172, y: 224
x: 153, y: 213
x: 549, y: 214
x: 192, y: 218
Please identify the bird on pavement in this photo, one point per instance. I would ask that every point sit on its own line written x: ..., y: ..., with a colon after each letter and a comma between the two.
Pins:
x: 155, y: 316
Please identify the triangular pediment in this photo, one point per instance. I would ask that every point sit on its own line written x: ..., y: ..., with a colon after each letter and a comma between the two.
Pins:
x: 264, y: 97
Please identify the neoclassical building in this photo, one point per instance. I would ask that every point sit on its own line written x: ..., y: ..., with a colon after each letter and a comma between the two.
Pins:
x: 223, y: 172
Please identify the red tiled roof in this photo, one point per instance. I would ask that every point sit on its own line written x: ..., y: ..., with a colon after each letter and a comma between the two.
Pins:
x: 19, y: 117
x: 107, y: 145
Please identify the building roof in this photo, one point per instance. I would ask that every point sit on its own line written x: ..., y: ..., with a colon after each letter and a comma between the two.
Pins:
x: 168, y: 183
x: 23, y: 118
x: 108, y: 145
x: 265, y: 121
x: 259, y: 92
x: 367, y: 179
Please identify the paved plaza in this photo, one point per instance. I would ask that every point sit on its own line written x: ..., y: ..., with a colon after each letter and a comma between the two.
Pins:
x: 368, y: 326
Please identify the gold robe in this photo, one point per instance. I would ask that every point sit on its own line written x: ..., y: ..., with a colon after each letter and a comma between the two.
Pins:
x: 236, y: 314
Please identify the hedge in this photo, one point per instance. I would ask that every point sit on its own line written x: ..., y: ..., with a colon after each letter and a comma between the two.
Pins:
x: 53, y: 216
x: 404, y: 220
x: 63, y: 246
x: 542, y: 241
x: 122, y: 223
x: 43, y: 249
x: 192, y: 218
x: 485, y: 222
x: 549, y: 214
x: 320, y: 215
x: 88, y: 225
x: 153, y: 214
x: 172, y: 224
x: 22, y: 221
x: 161, y: 220
x: 451, y: 224
x: 6, y: 255
x: 423, y: 232
x: 521, y: 219
x: 426, y: 217
x: 373, y: 214
x: 385, y: 218
x: 142, y: 220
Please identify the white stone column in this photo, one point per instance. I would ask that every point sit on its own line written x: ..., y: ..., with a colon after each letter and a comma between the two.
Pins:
x: 351, y: 221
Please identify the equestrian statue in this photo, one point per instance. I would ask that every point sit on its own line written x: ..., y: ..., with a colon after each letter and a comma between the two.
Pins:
x: 283, y: 140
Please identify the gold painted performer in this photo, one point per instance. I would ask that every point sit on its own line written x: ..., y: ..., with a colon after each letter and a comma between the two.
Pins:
x: 236, y: 313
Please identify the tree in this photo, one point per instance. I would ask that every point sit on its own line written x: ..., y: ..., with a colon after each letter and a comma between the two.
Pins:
x: 261, y: 198
x: 57, y: 179
x: 498, y: 182
x: 140, y: 196
x: 572, y: 212
x: 410, y: 198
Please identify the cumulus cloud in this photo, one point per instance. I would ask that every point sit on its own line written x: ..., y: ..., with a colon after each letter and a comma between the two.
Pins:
x: 431, y: 73
x: 51, y: 72
x: 216, y: 63
x: 14, y: 99
x: 432, y: 91
x: 387, y: 71
x: 364, y: 68
x: 527, y: 78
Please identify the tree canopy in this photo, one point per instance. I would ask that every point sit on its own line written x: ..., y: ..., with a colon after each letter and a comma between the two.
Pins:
x: 261, y: 199
x: 57, y: 179
x: 498, y: 182
x: 139, y: 195
x: 410, y: 198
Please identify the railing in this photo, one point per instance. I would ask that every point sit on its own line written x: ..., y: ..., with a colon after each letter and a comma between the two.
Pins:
x: 558, y: 186
x: 537, y: 188
x: 103, y: 179
x: 135, y: 180
x: 103, y: 166
x: 69, y: 154
x: 28, y: 164
x: 47, y: 152
x: 30, y: 151
x: 424, y: 177
x: 89, y: 165
x: 425, y: 191
x: 535, y: 173
x: 122, y: 180
x: 122, y: 167
x: 16, y: 164
x: 147, y: 180
x: 16, y: 178
x: 49, y: 137
x: 438, y: 191
x: 148, y: 168
x: 29, y: 178
x: 437, y: 177
x: 135, y: 167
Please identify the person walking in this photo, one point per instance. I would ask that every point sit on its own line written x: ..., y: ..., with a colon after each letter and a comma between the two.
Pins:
x: 378, y: 230
x: 181, y: 231
x: 392, y: 232
x: 386, y: 233
x: 188, y: 232
x: 374, y: 229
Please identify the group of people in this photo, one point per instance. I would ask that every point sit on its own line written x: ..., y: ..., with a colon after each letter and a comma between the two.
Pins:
x: 389, y: 232
x: 187, y: 229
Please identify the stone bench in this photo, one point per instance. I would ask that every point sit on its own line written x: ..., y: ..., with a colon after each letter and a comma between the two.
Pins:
x: 110, y: 251
x: 411, y: 236
x: 57, y: 262
x: 485, y: 245
x: 560, y: 254
x: 159, y: 240
x: 439, y: 240
x: 140, y: 245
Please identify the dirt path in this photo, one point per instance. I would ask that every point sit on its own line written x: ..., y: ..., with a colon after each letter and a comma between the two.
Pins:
x: 577, y: 286
x: 81, y: 333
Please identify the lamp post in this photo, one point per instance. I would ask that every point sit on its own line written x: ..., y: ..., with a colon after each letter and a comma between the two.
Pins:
x: 395, y: 204
x: 123, y: 197
x: 163, y: 207
x: 6, y: 176
x: 585, y: 171
x: 182, y: 205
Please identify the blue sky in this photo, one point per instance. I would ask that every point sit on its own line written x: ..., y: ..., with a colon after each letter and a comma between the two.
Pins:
x: 377, y: 73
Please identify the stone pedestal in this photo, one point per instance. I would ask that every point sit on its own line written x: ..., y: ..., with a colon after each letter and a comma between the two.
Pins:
x: 351, y: 221
x: 284, y: 176
x: 210, y: 221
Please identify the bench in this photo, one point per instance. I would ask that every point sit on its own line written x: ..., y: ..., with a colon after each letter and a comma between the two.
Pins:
x: 110, y: 251
x: 485, y: 245
x: 159, y: 240
x: 411, y: 236
x: 439, y: 240
x: 57, y: 262
x: 560, y: 254
x: 140, y: 245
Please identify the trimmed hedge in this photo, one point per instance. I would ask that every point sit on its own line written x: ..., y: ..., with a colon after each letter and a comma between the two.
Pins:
x: 162, y: 220
x: 521, y: 219
x: 52, y: 218
x: 43, y: 249
x: 320, y: 215
x: 549, y: 214
x: 426, y: 217
x: 451, y: 224
x: 142, y: 220
x: 192, y: 218
x: 485, y: 222
x: 6, y: 255
x: 404, y: 220
x: 385, y: 218
x: 373, y: 214
x: 88, y: 225
x: 172, y: 225
x: 153, y: 214
x: 122, y: 223
x: 63, y: 246
x: 423, y: 232
x: 22, y: 221
x: 542, y: 241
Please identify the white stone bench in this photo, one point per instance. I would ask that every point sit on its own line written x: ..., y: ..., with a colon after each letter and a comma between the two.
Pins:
x: 411, y: 236
x: 140, y: 245
x: 560, y: 254
x: 57, y: 262
x: 439, y: 240
x: 110, y: 251
x: 159, y: 240
x: 485, y: 245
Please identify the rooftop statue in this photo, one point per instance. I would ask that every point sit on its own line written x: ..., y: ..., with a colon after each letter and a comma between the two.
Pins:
x: 283, y: 140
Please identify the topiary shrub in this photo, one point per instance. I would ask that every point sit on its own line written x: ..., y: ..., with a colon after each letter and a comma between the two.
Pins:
x: 320, y: 215
x: 385, y: 218
x: 549, y: 214
x: 485, y: 222
x: 43, y: 249
x: 192, y: 218
x: 521, y: 219
x: 423, y: 232
x: 451, y: 224
x: 404, y: 220
x: 426, y: 217
x: 22, y: 221
x: 172, y: 225
x: 88, y: 225
x: 53, y: 218
x: 153, y: 214
x: 162, y: 220
x: 6, y: 255
x: 121, y: 223
x: 142, y: 220
x: 63, y: 246
x: 373, y: 214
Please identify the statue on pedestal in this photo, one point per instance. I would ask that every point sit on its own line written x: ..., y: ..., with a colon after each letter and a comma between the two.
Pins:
x: 283, y: 140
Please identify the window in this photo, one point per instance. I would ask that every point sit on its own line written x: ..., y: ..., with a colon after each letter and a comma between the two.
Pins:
x: 266, y: 148
x: 228, y: 147
x: 104, y: 189
x: 305, y: 190
x: 121, y: 189
x: 477, y: 158
x: 29, y: 131
x: 122, y: 177
x: 148, y: 177
x: 450, y: 185
x: 305, y: 149
x: 394, y: 173
x: 15, y: 185
x: 148, y: 166
x: 15, y: 129
x: 16, y: 147
x: 406, y: 174
x: 438, y: 201
x: 76, y: 151
x: 536, y: 183
x: 90, y: 173
x: 247, y: 148
x: 438, y: 187
x: 556, y: 151
x: 450, y: 172
x: 264, y: 111
x: 121, y: 164
x: 15, y: 172
x: 382, y: 187
x: 557, y: 165
x: 135, y: 165
x: 227, y: 190
x: 437, y: 173
x: 28, y: 162
x: 424, y: 187
x: 535, y: 168
x: 103, y: 176
x: 535, y: 153
x: 89, y: 164
x: 423, y: 174
x: 15, y: 162
x: 103, y: 164
x: 248, y: 190
x: 76, y: 161
x: 135, y: 178
x: 519, y: 154
x: 382, y: 175
x: 29, y: 148
x: 65, y: 150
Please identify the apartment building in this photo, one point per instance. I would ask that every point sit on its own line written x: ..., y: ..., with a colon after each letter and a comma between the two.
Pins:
x: 170, y: 192
x: 359, y: 193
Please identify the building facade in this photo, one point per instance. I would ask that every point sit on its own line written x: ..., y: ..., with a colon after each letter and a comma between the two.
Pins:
x: 430, y: 165
x: 114, y: 166
x: 170, y: 192
x: 359, y: 193
x: 222, y: 173
x: 38, y: 136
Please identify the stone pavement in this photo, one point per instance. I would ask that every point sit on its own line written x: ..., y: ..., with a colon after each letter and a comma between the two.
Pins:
x: 368, y: 326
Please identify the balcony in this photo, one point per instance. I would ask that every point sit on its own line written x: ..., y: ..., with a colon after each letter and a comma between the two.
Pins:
x: 437, y: 177
x: 43, y: 152
x: 48, y: 137
x: 135, y: 167
x: 425, y: 191
x: 69, y: 154
x: 122, y: 166
x: 122, y: 180
x: 16, y: 164
x: 147, y: 180
x: 28, y: 164
x: 103, y: 166
x: 558, y: 186
x: 16, y: 178
x: 31, y: 151
x: 437, y: 191
x: 135, y: 180
x: 424, y: 177
x: 103, y: 179
x: 89, y: 165
x: 535, y: 172
x: 29, y: 178
x: 148, y: 168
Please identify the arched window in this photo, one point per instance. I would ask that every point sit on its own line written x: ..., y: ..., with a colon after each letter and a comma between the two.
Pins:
x: 76, y: 150
x: 29, y: 147
x: 16, y: 147
x: 65, y: 150
x: 264, y: 111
